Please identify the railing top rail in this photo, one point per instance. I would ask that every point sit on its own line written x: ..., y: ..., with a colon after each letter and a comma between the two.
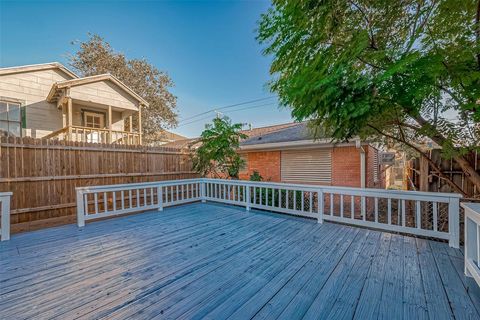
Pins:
x: 441, y: 197
x: 471, y: 206
x: 334, y: 188
x: 3, y: 194
x: 134, y: 185
x: 101, y: 129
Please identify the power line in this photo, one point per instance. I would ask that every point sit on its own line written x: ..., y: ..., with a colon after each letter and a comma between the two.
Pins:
x: 209, y: 116
x: 194, y: 121
x: 254, y: 107
x: 227, y: 107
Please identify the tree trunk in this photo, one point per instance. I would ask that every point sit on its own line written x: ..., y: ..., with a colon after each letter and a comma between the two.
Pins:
x: 438, y: 138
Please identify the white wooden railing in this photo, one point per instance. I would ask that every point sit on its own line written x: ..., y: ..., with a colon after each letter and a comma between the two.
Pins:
x: 419, y: 213
x: 104, y: 201
x: 95, y: 135
x: 5, y: 215
x: 472, y: 240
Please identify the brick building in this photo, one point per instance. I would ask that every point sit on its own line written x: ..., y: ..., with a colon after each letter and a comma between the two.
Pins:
x: 288, y: 153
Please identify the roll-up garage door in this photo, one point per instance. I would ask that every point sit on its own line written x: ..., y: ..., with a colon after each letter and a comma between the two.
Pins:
x: 307, y: 166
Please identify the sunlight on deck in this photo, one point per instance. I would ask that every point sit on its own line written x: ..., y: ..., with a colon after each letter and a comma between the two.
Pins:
x: 219, y: 261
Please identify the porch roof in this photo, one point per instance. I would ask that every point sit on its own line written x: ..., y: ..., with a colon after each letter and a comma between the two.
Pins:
x: 57, y: 88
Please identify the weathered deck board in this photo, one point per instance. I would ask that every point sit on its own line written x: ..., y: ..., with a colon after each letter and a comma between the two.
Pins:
x: 369, y: 301
x: 216, y: 262
x: 438, y: 306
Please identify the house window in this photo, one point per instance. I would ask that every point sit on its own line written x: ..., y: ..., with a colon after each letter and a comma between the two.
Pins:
x: 10, y: 119
x: 94, y: 120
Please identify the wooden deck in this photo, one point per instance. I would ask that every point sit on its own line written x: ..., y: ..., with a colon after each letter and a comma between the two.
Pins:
x: 214, y: 261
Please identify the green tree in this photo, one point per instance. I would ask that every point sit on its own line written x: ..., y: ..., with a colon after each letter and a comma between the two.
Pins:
x: 407, y: 71
x: 96, y: 56
x: 217, y: 154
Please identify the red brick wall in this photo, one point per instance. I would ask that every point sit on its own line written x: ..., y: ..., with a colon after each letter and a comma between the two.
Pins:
x: 267, y: 163
x: 345, y: 166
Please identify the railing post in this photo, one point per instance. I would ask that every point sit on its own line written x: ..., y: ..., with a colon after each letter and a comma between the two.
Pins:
x: 470, y: 241
x: 5, y: 203
x: 202, y: 192
x: 160, y: 198
x: 80, y: 209
x: 247, y: 197
x: 320, y: 206
x: 454, y: 222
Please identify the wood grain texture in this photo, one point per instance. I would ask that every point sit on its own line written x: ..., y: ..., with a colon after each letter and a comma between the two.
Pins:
x: 43, y: 174
x: 212, y: 261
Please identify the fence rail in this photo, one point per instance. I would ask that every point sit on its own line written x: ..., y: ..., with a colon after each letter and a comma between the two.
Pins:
x: 5, y: 215
x: 472, y: 240
x: 419, y: 213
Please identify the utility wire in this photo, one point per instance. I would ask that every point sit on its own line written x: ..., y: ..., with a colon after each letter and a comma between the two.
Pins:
x: 209, y: 116
x: 227, y: 107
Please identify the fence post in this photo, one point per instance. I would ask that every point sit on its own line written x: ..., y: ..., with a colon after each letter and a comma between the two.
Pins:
x: 454, y: 222
x: 320, y: 206
x: 247, y: 197
x: 160, y: 198
x: 5, y: 202
x: 80, y: 209
x: 202, y: 192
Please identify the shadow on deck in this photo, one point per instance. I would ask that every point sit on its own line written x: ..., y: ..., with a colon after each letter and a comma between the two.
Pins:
x: 217, y: 261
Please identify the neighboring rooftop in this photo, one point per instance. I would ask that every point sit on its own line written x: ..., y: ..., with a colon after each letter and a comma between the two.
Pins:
x: 165, y: 138
x: 294, y: 132
x: 38, y: 67
x: 253, y: 132
x: 181, y: 144
x: 54, y: 91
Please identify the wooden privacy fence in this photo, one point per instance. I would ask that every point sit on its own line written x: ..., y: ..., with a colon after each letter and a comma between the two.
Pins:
x: 43, y: 174
x: 424, y: 178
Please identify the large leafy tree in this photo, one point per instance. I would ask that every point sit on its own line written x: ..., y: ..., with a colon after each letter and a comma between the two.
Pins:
x: 407, y: 70
x: 96, y: 56
x: 217, y: 154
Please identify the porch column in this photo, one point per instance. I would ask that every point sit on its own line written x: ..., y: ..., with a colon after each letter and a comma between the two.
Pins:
x: 130, y: 129
x: 110, y: 124
x: 140, y: 123
x: 69, y: 118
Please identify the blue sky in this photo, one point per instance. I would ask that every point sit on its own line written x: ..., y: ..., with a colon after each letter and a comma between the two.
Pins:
x: 207, y: 47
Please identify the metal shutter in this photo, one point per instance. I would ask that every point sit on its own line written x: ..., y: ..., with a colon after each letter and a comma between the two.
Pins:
x: 307, y: 166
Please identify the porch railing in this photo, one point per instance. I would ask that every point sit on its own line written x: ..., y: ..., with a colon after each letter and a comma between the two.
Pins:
x: 427, y: 214
x: 95, y: 135
x: 472, y: 240
x: 5, y: 215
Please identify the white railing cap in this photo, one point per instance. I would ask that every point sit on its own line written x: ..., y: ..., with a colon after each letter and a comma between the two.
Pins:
x: 6, y: 194
x: 472, y: 206
x: 370, y: 191
x: 136, y: 184
x: 333, y: 188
